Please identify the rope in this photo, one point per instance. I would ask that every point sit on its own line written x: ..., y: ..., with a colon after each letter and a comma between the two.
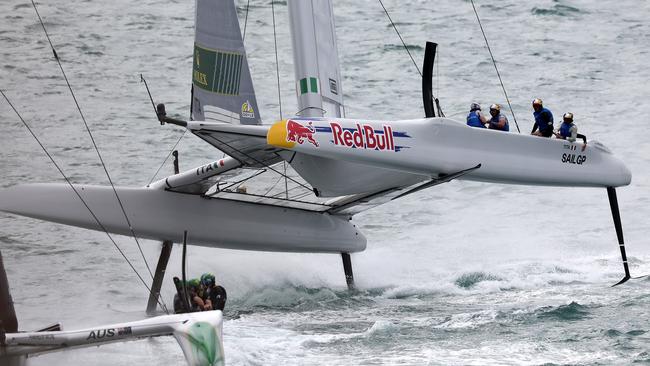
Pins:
x: 245, y: 21
x: 277, y: 72
x: 142, y: 79
x: 92, y: 139
x: 83, y: 118
x: 167, y: 157
x: 82, y: 200
x: 438, y: 76
x: 400, y: 38
x: 495, y: 66
x: 259, y: 162
x: 277, y: 64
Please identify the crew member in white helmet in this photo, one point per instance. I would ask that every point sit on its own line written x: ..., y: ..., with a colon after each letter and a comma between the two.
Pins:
x: 568, y: 130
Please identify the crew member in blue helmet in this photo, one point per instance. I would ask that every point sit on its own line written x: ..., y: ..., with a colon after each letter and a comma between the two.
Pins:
x: 215, y: 294
x: 543, y: 120
x: 568, y: 130
x: 475, y: 118
x: 498, y: 120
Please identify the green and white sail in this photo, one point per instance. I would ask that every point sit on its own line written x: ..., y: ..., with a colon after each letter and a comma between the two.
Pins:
x: 222, y: 85
x: 320, y: 94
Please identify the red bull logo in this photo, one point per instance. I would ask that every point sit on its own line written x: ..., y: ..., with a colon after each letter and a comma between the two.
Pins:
x: 298, y: 133
x: 364, y: 137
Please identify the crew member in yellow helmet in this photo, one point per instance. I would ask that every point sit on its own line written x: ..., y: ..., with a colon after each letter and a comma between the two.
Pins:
x: 498, y: 120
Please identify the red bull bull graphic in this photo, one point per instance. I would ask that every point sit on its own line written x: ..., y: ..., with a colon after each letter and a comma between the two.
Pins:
x: 364, y: 137
x: 298, y: 133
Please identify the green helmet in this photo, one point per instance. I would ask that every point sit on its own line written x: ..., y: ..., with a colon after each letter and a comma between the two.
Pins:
x: 194, y: 283
x: 207, y: 279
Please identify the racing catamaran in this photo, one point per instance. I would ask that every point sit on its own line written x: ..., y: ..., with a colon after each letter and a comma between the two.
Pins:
x: 345, y: 165
x: 198, y: 334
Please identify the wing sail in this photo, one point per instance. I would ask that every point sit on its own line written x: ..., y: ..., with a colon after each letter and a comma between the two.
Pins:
x: 315, y: 55
x: 222, y: 88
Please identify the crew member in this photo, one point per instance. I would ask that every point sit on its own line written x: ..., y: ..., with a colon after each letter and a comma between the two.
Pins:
x: 196, y: 293
x: 498, y: 120
x: 543, y: 120
x: 215, y: 294
x: 568, y: 130
x: 475, y: 118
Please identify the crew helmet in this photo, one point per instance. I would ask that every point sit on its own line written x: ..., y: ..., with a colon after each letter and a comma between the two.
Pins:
x: 568, y: 117
x: 194, y: 283
x: 207, y: 279
x: 474, y: 107
x: 495, y: 107
x: 538, y: 102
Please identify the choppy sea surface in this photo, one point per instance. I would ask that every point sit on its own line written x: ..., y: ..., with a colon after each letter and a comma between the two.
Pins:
x: 464, y: 273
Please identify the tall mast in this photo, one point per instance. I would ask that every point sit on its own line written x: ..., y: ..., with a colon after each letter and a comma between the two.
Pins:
x: 315, y: 58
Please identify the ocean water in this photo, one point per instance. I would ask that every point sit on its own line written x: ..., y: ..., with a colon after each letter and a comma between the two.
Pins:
x: 464, y: 273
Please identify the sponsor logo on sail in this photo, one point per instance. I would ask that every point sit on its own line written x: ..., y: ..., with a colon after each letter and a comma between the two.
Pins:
x: 217, y: 71
x: 197, y: 75
x: 364, y: 137
x: 247, y: 110
x: 298, y: 133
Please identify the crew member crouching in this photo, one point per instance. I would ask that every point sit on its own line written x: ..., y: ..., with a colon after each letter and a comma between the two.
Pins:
x: 498, y: 121
x: 214, y: 293
x: 569, y: 131
x: 543, y: 120
x: 475, y: 118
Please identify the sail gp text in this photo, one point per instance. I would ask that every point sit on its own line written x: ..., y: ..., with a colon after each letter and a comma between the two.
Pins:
x: 574, y: 159
x: 363, y: 137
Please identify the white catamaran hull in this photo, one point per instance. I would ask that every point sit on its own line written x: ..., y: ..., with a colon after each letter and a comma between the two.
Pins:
x: 164, y: 215
x: 199, y: 334
x: 442, y: 146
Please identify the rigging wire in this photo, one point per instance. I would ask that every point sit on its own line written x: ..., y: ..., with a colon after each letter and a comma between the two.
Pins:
x: 259, y: 162
x: 495, y: 66
x: 273, y: 186
x: 92, y: 139
x: 400, y: 38
x: 286, y: 181
x: 277, y: 64
x: 438, y: 75
x: 159, y: 299
x: 142, y: 79
x: 277, y: 72
x: 245, y: 20
x: 167, y: 157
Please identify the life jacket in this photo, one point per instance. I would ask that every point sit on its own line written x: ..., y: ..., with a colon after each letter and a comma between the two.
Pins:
x: 474, y: 120
x: 565, y: 129
x: 495, y: 120
x: 542, y: 119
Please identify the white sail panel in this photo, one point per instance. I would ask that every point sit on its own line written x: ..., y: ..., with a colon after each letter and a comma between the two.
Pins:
x: 315, y: 55
x: 328, y: 59
x: 222, y: 88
